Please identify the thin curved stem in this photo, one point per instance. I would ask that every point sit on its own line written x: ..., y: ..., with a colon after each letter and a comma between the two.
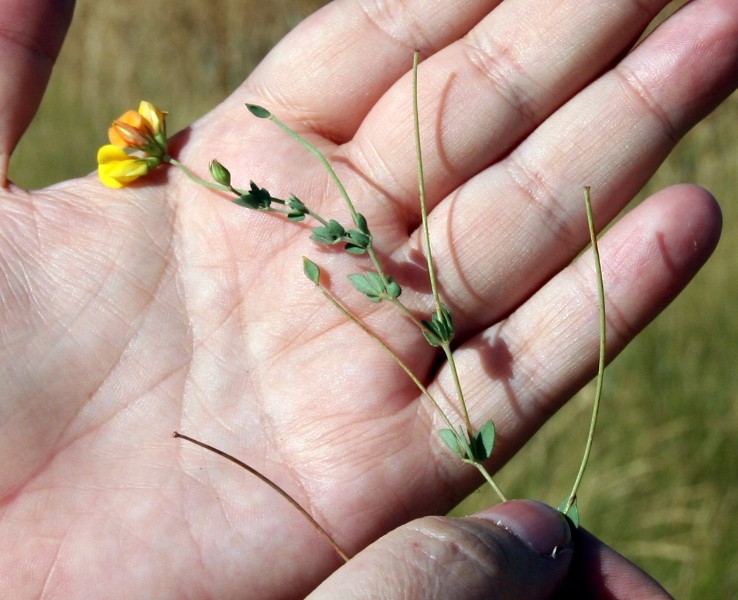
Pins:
x: 603, y: 344
x: 428, y: 252
x: 344, y: 556
x: 421, y: 187
x: 488, y: 478
x: 196, y: 178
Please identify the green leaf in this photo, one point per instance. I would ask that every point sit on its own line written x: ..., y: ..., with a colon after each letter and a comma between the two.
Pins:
x: 312, y: 271
x: 298, y: 209
x: 444, y: 316
x: 431, y: 335
x: 359, y: 238
x: 359, y: 242
x: 484, y: 441
x: 336, y: 229
x: 376, y: 280
x: 468, y: 452
x: 322, y: 236
x: 373, y: 287
x: 360, y: 222
x: 258, y: 111
x: 353, y: 249
x: 247, y: 200
x: 440, y: 328
x: 360, y: 282
x: 366, y: 284
x: 450, y: 439
x: 256, y: 197
x: 393, y: 288
x: 572, y: 513
x: 332, y: 233
x: 296, y: 204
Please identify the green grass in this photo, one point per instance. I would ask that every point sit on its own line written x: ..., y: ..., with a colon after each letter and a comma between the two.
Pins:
x: 662, y: 487
x: 663, y: 483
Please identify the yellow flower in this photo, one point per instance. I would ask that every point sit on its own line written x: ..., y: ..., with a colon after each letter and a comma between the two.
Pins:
x: 142, y: 132
x: 116, y: 168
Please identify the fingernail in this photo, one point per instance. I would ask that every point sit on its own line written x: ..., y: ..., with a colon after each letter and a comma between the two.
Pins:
x: 543, y: 528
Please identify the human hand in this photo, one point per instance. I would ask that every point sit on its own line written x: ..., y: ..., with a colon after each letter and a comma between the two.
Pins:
x: 520, y: 549
x: 129, y: 314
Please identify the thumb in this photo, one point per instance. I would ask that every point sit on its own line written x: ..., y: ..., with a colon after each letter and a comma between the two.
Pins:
x: 520, y: 549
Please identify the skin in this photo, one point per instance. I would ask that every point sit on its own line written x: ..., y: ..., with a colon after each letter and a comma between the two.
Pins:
x: 132, y: 313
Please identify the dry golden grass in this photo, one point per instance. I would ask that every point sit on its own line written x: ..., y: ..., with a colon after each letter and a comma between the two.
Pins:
x: 187, y: 54
x: 663, y: 484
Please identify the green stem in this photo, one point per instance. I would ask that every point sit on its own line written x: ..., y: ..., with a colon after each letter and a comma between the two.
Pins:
x: 377, y: 264
x: 199, y: 180
x: 238, y: 192
x: 603, y: 341
x: 480, y: 467
x: 324, y: 161
x: 339, y: 184
x: 407, y: 312
x: 317, y: 217
x: 428, y: 252
x: 275, y: 487
x: 421, y: 186
x: 446, y: 346
x: 424, y: 390
x: 354, y: 319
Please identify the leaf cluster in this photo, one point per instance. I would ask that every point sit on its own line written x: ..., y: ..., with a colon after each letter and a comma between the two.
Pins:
x: 358, y: 241
x: 440, y: 329
x: 257, y: 198
x: 297, y: 210
x: 374, y: 287
x: 474, y: 448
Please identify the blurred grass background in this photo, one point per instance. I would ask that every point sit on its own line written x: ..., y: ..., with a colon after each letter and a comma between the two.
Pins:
x: 663, y: 485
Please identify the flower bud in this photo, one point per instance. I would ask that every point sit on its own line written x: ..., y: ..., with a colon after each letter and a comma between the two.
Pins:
x: 219, y: 173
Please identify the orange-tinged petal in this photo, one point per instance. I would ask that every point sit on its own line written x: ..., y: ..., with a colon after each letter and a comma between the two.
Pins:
x: 127, y: 136
x: 133, y: 118
x: 129, y: 120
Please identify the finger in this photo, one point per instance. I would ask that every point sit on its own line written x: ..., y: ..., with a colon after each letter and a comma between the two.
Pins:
x: 598, y: 571
x: 357, y: 50
x: 482, y: 95
x: 31, y: 35
x: 520, y: 371
x: 515, y: 225
x: 504, y: 552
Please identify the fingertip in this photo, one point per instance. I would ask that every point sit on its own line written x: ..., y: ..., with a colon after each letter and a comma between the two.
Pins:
x: 519, y: 549
x: 544, y: 529
x: 688, y: 222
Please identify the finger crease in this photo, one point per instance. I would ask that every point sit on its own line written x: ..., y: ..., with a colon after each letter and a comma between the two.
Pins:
x: 498, y: 65
x: 641, y: 93
x: 534, y: 186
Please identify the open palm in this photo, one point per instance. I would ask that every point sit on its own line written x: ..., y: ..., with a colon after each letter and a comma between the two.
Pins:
x: 129, y: 314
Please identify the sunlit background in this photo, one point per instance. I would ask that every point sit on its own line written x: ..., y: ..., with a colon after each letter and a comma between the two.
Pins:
x: 663, y: 485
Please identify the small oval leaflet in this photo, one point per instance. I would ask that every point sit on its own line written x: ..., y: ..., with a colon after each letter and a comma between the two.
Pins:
x: 312, y: 271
